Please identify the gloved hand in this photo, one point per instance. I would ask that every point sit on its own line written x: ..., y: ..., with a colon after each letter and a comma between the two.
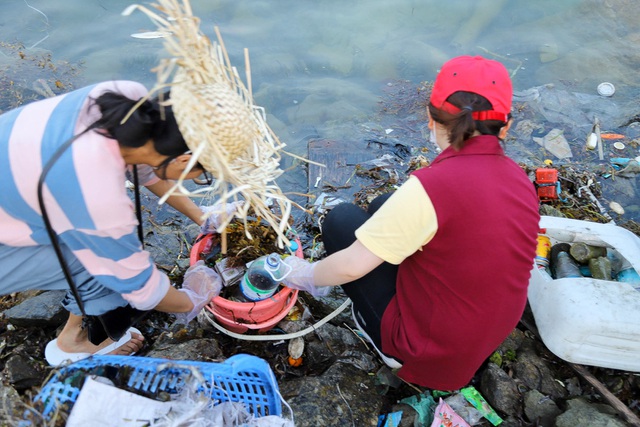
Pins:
x: 201, y: 284
x: 301, y: 277
x: 217, y: 214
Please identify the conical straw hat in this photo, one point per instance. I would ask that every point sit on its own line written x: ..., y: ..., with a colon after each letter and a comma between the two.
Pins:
x: 216, y: 111
x: 227, y: 134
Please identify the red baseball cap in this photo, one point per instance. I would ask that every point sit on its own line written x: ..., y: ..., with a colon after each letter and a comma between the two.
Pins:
x: 479, y: 75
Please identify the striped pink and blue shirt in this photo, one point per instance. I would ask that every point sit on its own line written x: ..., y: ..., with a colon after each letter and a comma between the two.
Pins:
x: 84, y: 192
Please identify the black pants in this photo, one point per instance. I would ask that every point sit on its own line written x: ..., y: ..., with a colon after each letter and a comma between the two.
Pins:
x: 371, y: 293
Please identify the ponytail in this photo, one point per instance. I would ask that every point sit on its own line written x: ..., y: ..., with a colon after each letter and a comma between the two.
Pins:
x: 147, y: 122
x: 461, y: 125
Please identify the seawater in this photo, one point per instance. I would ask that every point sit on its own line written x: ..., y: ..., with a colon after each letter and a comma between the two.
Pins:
x: 320, y: 68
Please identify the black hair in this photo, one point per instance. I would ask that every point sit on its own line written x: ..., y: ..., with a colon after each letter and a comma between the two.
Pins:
x: 461, y: 126
x: 149, y: 120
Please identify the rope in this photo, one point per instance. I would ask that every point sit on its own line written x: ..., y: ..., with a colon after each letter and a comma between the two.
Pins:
x: 278, y: 337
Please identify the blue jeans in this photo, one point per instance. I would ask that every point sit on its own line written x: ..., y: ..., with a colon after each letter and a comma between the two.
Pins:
x: 36, y: 267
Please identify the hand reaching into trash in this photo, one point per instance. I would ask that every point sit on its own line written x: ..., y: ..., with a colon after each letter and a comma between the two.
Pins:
x: 301, y: 277
x: 201, y: 284
x: 217, y: 214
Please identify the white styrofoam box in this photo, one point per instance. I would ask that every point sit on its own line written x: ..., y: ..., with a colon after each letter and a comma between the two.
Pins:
x: 585, y: 320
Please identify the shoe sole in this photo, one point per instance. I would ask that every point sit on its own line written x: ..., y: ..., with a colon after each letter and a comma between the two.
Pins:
x: 389, y: 361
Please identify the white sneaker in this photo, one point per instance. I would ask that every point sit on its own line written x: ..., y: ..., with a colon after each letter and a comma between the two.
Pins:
x: 388, y: 360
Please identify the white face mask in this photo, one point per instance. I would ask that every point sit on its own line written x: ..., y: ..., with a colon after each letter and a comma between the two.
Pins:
x: 432, y: 139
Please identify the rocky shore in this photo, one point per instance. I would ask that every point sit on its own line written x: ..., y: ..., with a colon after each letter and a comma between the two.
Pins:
x: 340, y: 380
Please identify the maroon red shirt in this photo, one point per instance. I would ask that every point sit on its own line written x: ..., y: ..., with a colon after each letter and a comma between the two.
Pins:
x: 461, y: 296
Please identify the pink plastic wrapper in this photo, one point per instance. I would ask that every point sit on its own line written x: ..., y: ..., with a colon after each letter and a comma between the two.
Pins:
x: 445, y: 417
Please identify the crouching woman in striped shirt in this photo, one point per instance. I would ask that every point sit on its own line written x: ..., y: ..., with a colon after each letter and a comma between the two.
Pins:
x: 91, y: 216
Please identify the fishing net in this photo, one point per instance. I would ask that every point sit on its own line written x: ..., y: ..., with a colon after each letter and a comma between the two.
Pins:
x: 225, y: 131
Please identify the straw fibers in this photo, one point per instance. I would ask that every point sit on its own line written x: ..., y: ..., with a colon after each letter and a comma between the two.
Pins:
x: 227, y: 134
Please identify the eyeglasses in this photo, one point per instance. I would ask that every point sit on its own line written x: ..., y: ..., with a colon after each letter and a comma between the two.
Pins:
x: 207, y: 180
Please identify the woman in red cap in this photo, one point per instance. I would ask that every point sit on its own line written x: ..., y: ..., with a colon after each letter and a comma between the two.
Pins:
x: 438, y: 271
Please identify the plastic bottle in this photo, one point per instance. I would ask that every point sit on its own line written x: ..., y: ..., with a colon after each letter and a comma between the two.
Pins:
x: 542, y: 252
x: 263, y: 277
x: 629, y: 275
x: 565, y: 266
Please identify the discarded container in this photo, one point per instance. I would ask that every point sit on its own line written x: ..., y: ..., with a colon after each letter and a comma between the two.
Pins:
x: 542, y: 251
x: 547, y: 183
x: 629, y: 276
x: 241, y: 317
x: 582, y: 252
x: 241, y: 378
x: 600, y: 268
x: 263, y: 277
x: 565, y: 266
x: 592, y: 141
x: 606, y: 89
x: 585, y: 320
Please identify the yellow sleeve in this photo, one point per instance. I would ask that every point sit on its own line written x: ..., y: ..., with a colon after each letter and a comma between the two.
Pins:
x: 403, y: 224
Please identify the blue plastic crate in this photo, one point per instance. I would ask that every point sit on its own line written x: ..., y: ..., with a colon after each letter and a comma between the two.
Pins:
x: 241, y: 378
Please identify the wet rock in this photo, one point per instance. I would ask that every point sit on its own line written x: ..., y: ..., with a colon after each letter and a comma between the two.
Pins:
x: 385, y: 376
x: 539, y: 408
x: 182, y: 342
x: 166, y: 247
x: 549, y: 210
x: 10, y: 404
x: 44, y: 309
x: 533, y: 371
x: 205, y: 349
x: 514, y: 421
x: 409, y: 418
x: 337, y: 339
x: 21, y: 372
x: 342, y: 395
x: 581, y: 413
x: 362, y: 361
x: 318, y: 353
x: 512, y: 342
x: 500, y: 390
x: 573, y: 387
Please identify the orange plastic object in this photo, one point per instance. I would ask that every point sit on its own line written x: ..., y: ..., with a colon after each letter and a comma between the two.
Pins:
x: 258, y: 316
x: 546, y: 176
x: 612, y: 136
x: 547, y: 183
x: 295, y: 362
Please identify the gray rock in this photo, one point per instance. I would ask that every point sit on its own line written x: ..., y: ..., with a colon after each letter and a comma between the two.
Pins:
x: 533, y: 372
x: 512, y: 342
x: 22, y: 373
x: 205, y: 349
x: 342, y: 396
x: 44, y: 309
x: 573, y: 387
x: 362, y: 361
x: 337, y: 339
x: 500, y: 390
x: 10, y: 404
x: 540, y: 408
x: 185, y: 343
x: 582, y: 413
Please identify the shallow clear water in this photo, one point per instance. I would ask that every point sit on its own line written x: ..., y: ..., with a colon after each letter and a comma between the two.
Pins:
x: 320, y: 68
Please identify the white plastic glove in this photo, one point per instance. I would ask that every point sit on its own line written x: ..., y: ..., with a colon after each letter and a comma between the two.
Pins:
x: 201, y: 284
x: 301, y: 277
x: 217, y: 214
